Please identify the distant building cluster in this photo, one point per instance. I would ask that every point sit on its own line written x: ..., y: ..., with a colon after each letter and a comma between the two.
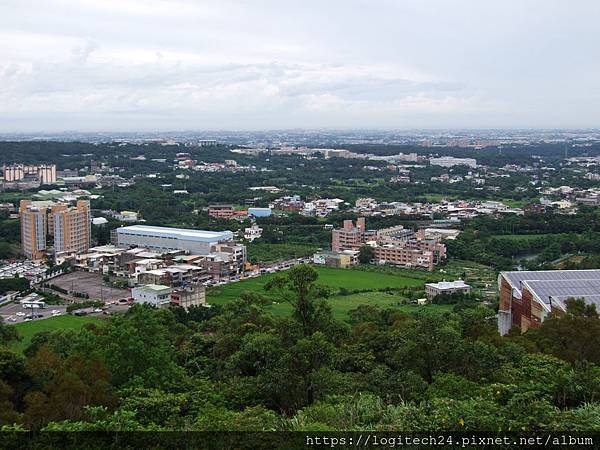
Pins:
x: 327, y: 153
x: 450, y: 161
x: 217, y: 253
x: 228, y: 212
x: 21, y: 176
x: 316, y: 208
x: 452, y: 210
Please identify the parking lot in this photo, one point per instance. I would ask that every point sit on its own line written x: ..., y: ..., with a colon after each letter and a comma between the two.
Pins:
x: 28, y: 269
x: 14, y: 313
x: 90, y: 283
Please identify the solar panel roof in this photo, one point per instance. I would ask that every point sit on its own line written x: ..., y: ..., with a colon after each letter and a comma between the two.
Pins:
x: 516, y: 278
x: 555, y: 292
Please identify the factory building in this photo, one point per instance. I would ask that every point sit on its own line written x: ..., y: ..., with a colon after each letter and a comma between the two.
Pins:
x: 527, y: 298
x: 198, y: 242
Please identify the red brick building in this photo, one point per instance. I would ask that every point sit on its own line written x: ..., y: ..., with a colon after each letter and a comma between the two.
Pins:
x: 221, y: 211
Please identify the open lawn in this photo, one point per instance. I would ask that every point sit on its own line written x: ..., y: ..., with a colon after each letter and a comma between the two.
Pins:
x: 26, y: 330
x: 349, y: 279
x: 342, y: 304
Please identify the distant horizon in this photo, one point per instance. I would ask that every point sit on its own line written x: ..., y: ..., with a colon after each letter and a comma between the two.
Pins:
x: 305, y: 129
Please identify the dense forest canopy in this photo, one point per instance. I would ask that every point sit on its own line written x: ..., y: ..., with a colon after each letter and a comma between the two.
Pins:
x: 240, y: 368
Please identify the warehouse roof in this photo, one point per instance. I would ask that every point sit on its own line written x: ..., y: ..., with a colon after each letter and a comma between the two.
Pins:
x: 555, y: 292
x: 176, y: 233
x: 517, y: 278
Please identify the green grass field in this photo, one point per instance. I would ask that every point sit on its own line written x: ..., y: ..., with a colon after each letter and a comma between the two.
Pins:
x: 350, y: 279
x: 26, y: 330
x: 342, y: 304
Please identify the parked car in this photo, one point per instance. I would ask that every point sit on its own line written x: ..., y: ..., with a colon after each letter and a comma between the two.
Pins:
x: 20, y: 314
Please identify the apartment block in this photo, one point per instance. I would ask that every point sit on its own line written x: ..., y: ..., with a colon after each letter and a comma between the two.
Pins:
x: 395, y: 245
x: 404, y: 256
x: 221, y: 211
x: 34, y: 229
x: 71, y: 227
x: 46, y: 173
x: 349, y: 237
x: 46, y: 224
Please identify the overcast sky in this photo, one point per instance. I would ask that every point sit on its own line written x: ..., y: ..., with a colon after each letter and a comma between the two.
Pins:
x: 253, y: 64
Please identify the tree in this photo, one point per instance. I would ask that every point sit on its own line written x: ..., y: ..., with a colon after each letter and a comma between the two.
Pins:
x: 298, y: 287
x: 64, y: 386
x: 366, y: 254
x: 8, y: 333
x: 138, y: 349
x: 573, y: 337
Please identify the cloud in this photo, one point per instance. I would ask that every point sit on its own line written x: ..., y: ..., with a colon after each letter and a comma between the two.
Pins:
x: 231, y: 64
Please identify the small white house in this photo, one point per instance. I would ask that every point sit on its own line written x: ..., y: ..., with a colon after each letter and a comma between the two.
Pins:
x: 446, y: 287
x: 154, y: 294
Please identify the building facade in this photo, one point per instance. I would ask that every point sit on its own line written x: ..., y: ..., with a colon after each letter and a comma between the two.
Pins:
x: 72, y: 227
x: 46, y: 173
x: 189, y: 296
x: 446, y: 287
x: 338, y: 260
x: 221, y: 211
x: 349, y: 237
x: 34, y: 230
x: 155, y: 295
x: 395, y: 245
x: 527, y: 298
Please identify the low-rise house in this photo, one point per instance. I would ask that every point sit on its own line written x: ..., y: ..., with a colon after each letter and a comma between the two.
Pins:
x: 339, y: 260
x: 153, y: 294
x: 189, y: 296
x: 446, y: 287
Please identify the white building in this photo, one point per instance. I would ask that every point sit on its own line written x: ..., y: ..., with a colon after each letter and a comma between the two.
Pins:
x: 253, y: 232
x: 450, y: 161
x: 197, y: 242
x: 446, y: 287
x: 153, y: 294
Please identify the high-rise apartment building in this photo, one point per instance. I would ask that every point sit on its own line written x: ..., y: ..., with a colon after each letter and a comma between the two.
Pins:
x: 69, y: 226
x: 46, y: 173
x: 72, y: 227
x: 34, y: 229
